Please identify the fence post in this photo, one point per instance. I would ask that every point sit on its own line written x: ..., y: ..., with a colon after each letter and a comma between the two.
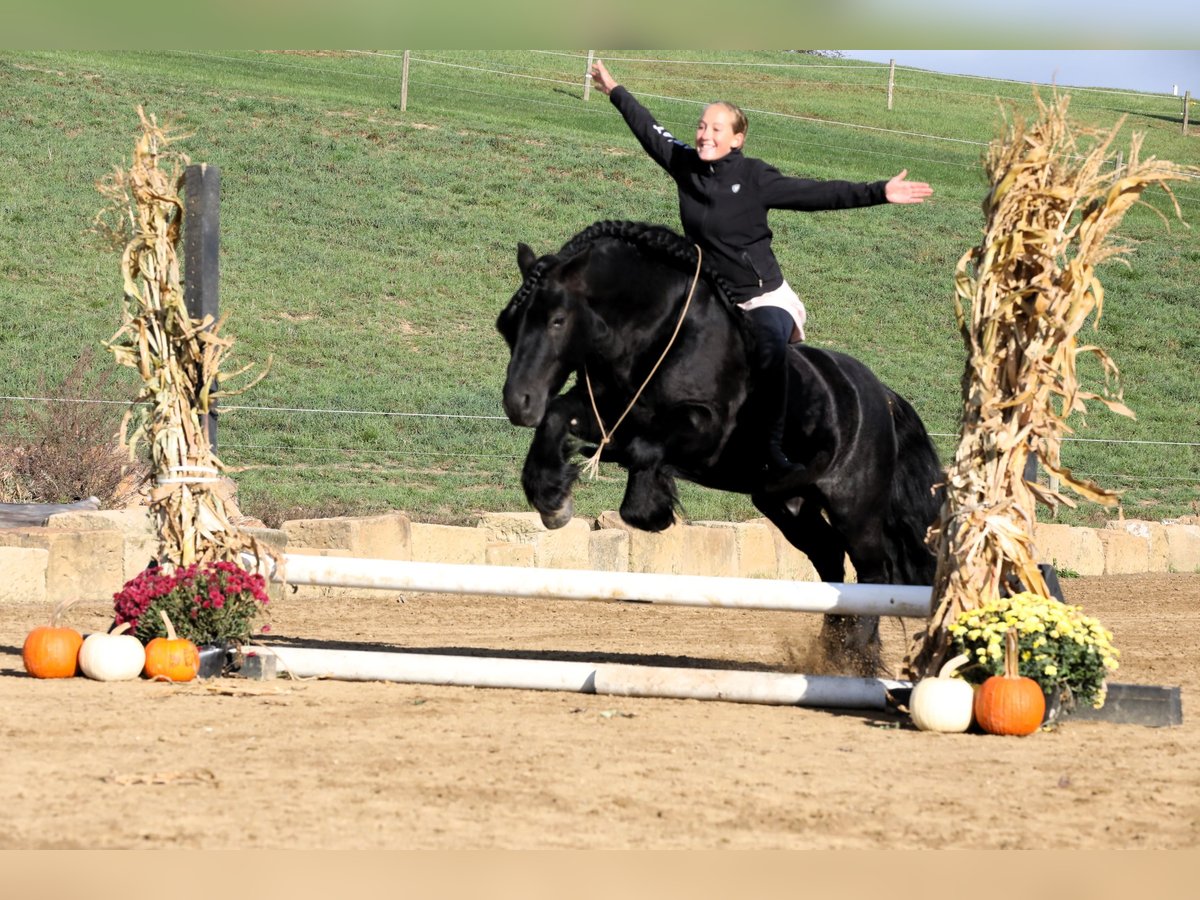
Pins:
x: 891, y: 81
x: 1031, y: 474
x: 404, y: 84
x: 1187, y: 99
x: 1031, y: 466
x: 587, y: 77
x: 201, y: 257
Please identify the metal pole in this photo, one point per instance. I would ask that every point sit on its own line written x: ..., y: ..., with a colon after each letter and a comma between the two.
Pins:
x: 1187, y: 98
x: 404, y: 84
x: 891, y: 81
x: 201, y: 255
x: 587, y: 77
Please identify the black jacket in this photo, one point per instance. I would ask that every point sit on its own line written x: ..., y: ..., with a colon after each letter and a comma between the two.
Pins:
x: 723, y: 205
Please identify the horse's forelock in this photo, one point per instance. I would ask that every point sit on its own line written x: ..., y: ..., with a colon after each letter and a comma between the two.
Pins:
x: 507, y: 321
x: 530, y: 284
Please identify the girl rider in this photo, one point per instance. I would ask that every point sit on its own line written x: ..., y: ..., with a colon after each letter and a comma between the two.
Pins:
x: 723, y: 202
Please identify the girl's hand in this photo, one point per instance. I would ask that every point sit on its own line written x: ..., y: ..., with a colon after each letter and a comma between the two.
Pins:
x: 901, y: 190
x: 600, y: 77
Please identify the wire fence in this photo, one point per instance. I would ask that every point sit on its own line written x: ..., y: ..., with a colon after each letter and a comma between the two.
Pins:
x: 417, y: 436
x: 882, y: 82
x: 491, y: 68
x: 1161, y: 105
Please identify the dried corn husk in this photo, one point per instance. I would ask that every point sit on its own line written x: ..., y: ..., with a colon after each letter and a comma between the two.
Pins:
x: 1021, y: 297
x: 178, y: 357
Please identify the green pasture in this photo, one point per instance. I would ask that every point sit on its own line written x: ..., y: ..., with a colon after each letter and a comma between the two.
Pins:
x: 368, y: 249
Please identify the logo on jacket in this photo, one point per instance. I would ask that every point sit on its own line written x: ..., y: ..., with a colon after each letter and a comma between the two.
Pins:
x: 736, y: 188
x: 666, y: 134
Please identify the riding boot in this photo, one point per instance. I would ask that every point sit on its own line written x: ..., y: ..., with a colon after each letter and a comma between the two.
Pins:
x: 772, y: 328
x: 780, y: 473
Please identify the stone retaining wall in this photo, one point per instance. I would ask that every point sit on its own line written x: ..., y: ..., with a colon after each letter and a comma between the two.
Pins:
x: 90, y: 555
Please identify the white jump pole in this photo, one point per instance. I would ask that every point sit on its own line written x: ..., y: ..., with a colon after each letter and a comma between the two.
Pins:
x: 580, y: 584
x: 776, y: 688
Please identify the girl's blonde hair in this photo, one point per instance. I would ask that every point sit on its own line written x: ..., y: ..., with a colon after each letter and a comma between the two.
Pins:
x: 739, y: 118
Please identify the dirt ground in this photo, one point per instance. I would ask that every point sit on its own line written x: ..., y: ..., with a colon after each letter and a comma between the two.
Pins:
x: 232, y: 763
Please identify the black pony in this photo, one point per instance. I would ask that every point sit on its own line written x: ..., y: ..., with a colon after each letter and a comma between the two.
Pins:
x: 606, y: 307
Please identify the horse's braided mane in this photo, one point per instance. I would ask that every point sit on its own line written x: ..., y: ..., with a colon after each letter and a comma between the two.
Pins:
x: 658, y: 239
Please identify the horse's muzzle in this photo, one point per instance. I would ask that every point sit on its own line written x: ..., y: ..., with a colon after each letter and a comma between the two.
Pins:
x: 523, y: 408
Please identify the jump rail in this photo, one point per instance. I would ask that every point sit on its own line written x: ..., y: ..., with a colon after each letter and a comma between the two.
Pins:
x: 582, y: 584
x: 772, y: 688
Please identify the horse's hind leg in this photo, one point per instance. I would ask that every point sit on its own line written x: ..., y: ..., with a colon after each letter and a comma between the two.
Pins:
x: 547, y: 475
x: 857, y: 637
x: 800, y: 521
x: 849, y: 643
x: 853, y: 642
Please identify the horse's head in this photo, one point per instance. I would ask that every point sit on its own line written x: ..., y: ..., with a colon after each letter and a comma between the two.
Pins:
x: 547, y: 325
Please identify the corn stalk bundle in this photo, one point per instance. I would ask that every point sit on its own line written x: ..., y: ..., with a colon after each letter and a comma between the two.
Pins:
x: 1021, y: 298
x: 178, y: 357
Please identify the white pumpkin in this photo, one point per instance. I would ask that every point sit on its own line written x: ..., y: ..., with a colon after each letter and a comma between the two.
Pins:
x: 115, y: 656
x: 943, y: 703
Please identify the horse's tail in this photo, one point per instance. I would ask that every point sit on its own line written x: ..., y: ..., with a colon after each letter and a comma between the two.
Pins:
x: 918, y: 491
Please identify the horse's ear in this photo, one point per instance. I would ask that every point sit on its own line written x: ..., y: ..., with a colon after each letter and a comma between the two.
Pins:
x: 525, y: 259
x: 572, y: 274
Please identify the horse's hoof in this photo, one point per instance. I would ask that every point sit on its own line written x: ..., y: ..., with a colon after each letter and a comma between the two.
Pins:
x: 559, y: 517
x: 851, y: 645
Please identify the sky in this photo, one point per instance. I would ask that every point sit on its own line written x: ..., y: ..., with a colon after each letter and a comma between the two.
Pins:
x: 755, y: 24
x: 1157, y: 71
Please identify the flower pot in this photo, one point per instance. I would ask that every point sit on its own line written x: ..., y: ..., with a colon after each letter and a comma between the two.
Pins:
x: 215, y: 660
x: 1059, y: 703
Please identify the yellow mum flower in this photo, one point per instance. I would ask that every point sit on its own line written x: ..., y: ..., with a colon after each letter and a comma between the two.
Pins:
x: 1049, y: 631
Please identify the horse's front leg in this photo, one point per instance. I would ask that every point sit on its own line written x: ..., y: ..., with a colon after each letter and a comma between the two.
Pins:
x: 650, y: 497
x: 548, y: 475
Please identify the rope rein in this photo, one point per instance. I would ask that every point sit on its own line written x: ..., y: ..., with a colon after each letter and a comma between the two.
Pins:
x: 591, y: 468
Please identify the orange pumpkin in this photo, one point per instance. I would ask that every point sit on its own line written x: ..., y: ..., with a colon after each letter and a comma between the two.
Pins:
x: 1010, y: 703
x: 52, y: 651
x: 172, y: 658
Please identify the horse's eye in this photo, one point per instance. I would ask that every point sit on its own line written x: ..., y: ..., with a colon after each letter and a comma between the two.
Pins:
x: 558, y: 321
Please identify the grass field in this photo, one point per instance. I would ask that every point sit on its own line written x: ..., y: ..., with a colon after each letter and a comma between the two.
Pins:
x: 369, y: 249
